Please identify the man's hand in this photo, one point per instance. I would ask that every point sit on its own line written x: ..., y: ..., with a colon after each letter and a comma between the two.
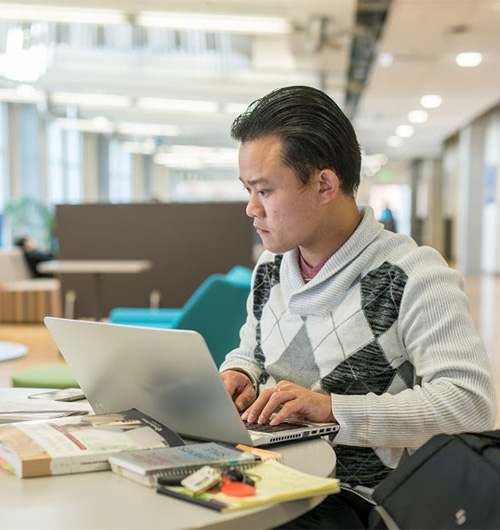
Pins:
x: 297, y: 400
x: 240, y: 388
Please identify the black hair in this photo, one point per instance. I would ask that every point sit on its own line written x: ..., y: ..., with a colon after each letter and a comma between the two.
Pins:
x: 20, y: 241
x: 314, y: 132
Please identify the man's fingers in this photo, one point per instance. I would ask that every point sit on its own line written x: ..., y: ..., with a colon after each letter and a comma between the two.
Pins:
x: 275, y: 401
x: 245, y: 398
x: 255, y: 410
x: 287, y: 409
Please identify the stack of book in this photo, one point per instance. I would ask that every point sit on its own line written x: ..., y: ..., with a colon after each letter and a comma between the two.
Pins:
x: 139, y: 448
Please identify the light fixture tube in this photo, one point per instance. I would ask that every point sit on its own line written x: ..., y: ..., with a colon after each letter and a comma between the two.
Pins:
x: 250, y: 25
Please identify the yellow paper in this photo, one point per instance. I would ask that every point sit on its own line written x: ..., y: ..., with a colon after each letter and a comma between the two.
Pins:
x: 276, y: 482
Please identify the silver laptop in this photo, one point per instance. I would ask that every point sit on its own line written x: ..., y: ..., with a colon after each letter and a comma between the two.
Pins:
x: 167, y: 374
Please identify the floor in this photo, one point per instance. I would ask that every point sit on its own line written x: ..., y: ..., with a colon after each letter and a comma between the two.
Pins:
x: 483, y: 292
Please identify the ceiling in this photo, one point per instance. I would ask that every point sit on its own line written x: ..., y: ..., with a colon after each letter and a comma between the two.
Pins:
x: 422, y: 35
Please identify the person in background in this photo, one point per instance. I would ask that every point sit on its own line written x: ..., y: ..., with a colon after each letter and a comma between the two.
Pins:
x: 33, y: 255
x: 387, y: 219
x: 346, y: 321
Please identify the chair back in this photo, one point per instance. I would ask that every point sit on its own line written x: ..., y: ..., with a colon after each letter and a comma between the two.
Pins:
x: 217, y: 310
x: 240, y: 274
x: 13, y: 266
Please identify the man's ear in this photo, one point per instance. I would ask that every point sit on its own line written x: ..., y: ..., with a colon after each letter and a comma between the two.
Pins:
x: 329, y: 184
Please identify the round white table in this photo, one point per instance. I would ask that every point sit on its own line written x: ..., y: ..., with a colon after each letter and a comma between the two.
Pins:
x: 12, y: 350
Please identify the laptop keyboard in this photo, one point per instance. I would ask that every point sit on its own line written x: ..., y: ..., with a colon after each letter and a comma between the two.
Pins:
x: 268, y: 428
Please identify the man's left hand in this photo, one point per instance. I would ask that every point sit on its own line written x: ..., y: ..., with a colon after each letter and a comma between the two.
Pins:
x: 295, y: 399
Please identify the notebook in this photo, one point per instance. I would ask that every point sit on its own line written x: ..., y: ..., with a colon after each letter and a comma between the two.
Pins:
x: 167, y: 374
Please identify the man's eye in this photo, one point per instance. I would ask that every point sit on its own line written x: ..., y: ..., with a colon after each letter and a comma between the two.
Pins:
x: 263, y: 193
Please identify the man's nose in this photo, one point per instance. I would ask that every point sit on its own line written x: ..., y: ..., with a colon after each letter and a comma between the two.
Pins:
x: 252, y: 207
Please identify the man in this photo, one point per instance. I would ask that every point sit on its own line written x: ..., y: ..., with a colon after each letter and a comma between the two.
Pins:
x: 347, y: 320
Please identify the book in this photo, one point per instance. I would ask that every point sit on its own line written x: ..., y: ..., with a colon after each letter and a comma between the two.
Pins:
x: 147, y: 466
x: 79, y: 444
x: 274, y: 482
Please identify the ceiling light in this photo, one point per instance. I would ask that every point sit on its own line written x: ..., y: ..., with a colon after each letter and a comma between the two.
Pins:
x: 21, y: 96
x: 469, y: 59
x: 102, y: 124
x: 176, y: 161
x: 386, y: 59
x: 418, y: 116
x: 394, y: 141
x: 430, y: 101
x: 215, y: 22
x: 235, y: 108
x: 61, y: 14
x: 136, y: 148
x: 25, y: 90
x: 404, y: 131
x: 97, y: 125
x: 90, y: 100
x: 147, y: 129
x: 195, y: 156
x: 176, y: 105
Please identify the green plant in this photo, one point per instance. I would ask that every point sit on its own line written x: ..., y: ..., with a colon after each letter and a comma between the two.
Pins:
x: 29, y: 217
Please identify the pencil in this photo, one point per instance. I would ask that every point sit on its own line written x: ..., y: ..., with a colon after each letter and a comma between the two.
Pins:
x: 213, y: 505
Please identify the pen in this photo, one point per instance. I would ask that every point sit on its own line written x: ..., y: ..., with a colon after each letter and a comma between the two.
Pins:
x: 213, y: 505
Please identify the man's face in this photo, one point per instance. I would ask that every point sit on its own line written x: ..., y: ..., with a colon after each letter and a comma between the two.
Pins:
x: 286, y: 213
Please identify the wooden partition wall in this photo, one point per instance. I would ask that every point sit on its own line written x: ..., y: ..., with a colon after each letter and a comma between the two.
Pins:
x: 186, y: 242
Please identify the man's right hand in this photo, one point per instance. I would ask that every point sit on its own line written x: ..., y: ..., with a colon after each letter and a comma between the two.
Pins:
x: 240, y: 388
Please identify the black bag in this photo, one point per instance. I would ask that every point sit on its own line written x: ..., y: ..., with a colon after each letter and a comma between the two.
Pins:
x: 452, y: 481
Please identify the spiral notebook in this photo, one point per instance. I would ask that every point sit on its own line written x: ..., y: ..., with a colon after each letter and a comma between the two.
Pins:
x: 146, y: 466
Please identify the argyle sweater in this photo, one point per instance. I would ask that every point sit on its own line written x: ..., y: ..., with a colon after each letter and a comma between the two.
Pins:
x: 384, y: 328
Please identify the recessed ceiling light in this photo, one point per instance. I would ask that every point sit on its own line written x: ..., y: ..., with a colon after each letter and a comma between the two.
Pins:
x: 394, y: 141
x: 386, y: 59
x: 430, y: 101
x: 404, y: 131
x: 418, y: 116
x: 469, y: 59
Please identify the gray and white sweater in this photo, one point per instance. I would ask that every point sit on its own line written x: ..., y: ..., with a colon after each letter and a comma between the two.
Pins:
x: 385, y: 329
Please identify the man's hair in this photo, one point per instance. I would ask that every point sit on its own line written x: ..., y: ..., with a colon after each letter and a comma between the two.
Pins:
x: 314, y: 132
x: 20, y: 241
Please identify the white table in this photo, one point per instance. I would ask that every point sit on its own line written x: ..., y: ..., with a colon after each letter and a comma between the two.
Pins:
x: 12, y: 350
x: 103, y: 500
x: 96, y: 268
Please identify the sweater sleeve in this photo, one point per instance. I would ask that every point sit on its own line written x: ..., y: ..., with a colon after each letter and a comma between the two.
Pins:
x: 243, y: 357
x: 454, y: 389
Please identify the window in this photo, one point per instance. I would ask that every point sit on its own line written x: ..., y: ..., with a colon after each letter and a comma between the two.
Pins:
x: 64, y: 153
x: 120, y: 173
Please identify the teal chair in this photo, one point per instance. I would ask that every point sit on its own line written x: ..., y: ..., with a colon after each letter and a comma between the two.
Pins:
x: 216, y: 310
